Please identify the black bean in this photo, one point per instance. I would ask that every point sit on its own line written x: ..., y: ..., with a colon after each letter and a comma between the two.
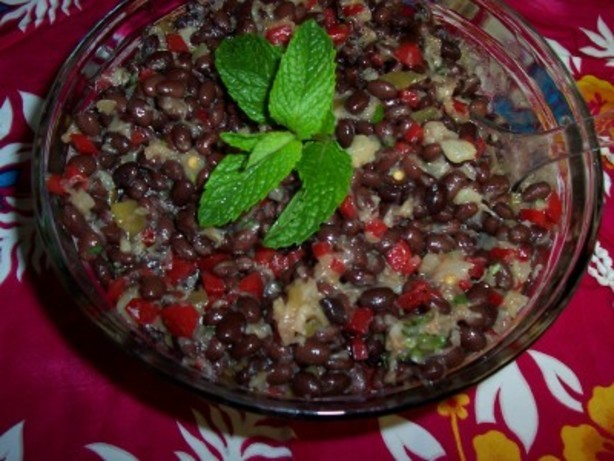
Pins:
x: 357, y: 102
x: 479, y: 105
x: 173, y: 170
x: 140, y: 112
x: 84, y: 164
x: 88, y: 123
x: 378, y: 299
x: 382, y: 89
x: 465, y: 211
x: 431, y: 152
x: 483, y: 316
x: 503, y: 210
x: 125, y: 174
x: 536, y: 191
x: 472, y: 339
x: 248, y: 345
x: 284, y: 10
x: 182, y: 137
x: 214, y: 316
x: 207, y: 93
x: 182, y: 248
x: 150, y: 83
x: 90, y: 244
x: 503, y: 277
x: 243, y: 240
x: 345, y: 132
x: 73, y: 220
x: 519, y: 233
x: 335, y: 382
x: 159, y: 60
x: 250, y: 308
x: 478, y: 293
x: 182, y: 191
x: 496, y: 185
x: 230, y: 329
x: 312, y: 352
x: 280, y: 373
x: 152, y: 287
x: 358, y: 278
x: 334, y: 310
x: 172, y: 88
x: 363, y: 127
x: 439, y: 243
x: 120, y: 143
x: 436, y: 199
x: 397, y: 111
x: 215, y: 350
x: 306, y: 384
x: 490, y: 224
x: 432, y: 369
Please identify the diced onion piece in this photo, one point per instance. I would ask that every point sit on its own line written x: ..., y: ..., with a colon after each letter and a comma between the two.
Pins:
x: 296, y: 317
x: 458, y: 150
x: 129, y: 216
x: 363, y: 149
x: 435, y: 131
x: 106, y: 106
x: 467, y: 195
x: 513, y: 302
x: 82, y: 201
x: 402, y: 79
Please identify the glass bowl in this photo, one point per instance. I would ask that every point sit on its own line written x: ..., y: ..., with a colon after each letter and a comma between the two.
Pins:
x: 527, y: 84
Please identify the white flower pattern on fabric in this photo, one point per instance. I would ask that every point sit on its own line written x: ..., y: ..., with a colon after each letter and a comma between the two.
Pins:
x: 35, y: 11
x: 509, y: 390
x: 403, y: 437
x: 11, y: 443
x: 601, y: 267
x: 230, y: 435
x: 604, y: 41
x: 573, y: 63
x: 109, y: 452
x: 18, y: 242
x: 560, y: 379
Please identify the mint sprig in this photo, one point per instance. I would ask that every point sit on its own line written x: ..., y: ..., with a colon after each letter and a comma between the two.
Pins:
x: 293, y: 89
x: 247, y: 65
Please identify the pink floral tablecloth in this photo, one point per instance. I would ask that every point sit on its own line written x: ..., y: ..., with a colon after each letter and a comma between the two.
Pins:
x: 67, y: 394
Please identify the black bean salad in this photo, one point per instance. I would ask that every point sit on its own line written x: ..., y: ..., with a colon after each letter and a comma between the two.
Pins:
x: 424, y: 261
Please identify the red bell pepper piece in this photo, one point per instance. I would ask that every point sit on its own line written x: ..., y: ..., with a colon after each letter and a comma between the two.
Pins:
x: 214, y: 285
x: 320, y: 249
x: 348, y: 208
x: 279, y: 35
x: 359, y: 349
x: 180, y: 319
x: 353, y: 10
x: 338, y: 266
x: 419, y: 293
x: 376, y: 228
x: 414, y: 134
x: 176, y: 43
x: 116, y: 288
x: 339, y: 33
x: 495, y: 298
x: 251, y: 284
x: 360, y: 321
x: 142, y: 312
x: 207, y: 263
x: 83, y: 144
x: 554, y: 208
x: 409, y: 54
x: 180, y: 270
x: 401, y: 260
x: 55, y: 184
x: 410, y: 97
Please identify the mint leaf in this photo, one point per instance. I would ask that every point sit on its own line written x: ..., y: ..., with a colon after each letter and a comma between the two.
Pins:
x: 247, y: 65
x: 302, y: 94
x: 242, y: 141
x: 325, y: 170
x: 231, y: 189
x: 259, y: 145
x: 270, y: 143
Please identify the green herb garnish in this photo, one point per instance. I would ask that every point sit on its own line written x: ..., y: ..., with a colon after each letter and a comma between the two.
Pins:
x: 293, y: 89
